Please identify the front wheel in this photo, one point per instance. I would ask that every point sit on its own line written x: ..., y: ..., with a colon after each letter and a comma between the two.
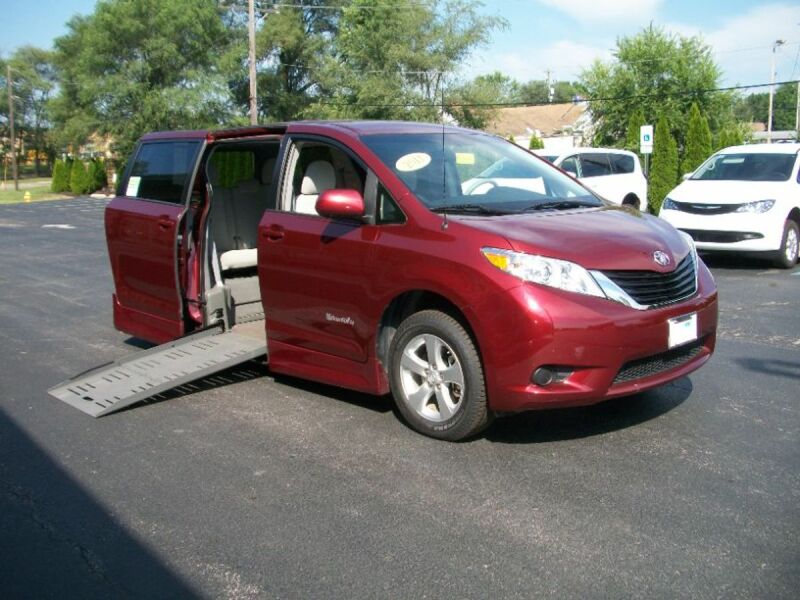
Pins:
x: 437, y: 378
x: 786, y: 257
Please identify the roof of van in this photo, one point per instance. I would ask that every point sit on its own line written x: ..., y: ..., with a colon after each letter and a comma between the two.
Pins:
x: 358, y: 128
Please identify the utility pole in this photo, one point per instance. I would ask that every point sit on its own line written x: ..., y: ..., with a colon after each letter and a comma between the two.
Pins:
x: 797, y: 115
x: 251, y: 27
x: 10, y: 86
x: 775, y: 46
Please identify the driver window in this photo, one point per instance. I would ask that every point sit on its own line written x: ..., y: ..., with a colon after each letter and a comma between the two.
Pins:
x: 570, y: 165
x: 318, y: 167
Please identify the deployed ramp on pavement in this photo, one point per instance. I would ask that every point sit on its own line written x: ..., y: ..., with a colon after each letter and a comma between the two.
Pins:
x: 114, y: 386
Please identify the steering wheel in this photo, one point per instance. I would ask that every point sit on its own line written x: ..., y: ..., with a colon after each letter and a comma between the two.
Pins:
x: 481, y: 187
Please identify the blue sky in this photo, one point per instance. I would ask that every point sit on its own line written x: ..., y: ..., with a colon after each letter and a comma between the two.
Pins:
x: 561, y: 35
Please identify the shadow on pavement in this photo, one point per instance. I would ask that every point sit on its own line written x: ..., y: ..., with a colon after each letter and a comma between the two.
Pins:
x: 781, y: 368
x: 56, y: 541
x: 573, y: 423
x: 381, y: 404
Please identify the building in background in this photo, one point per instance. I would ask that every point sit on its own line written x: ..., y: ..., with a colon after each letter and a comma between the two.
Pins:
x: 560, y: 126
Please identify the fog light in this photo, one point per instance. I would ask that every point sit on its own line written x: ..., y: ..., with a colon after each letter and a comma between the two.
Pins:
x: 543, y: 376
x: 549, y: 374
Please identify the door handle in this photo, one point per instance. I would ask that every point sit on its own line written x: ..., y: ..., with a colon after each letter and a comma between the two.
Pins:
x: 164, y: 222
x: 274, y: 233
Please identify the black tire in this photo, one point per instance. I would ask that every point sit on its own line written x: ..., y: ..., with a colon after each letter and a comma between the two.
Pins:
x: 419, y: 391
x: 786, y: 257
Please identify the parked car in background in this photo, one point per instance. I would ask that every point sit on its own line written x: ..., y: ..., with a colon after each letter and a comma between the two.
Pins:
x: 616, y: 175
x: 742, y: 199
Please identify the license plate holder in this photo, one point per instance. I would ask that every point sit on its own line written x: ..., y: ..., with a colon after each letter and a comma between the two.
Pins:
x: 682, y: 330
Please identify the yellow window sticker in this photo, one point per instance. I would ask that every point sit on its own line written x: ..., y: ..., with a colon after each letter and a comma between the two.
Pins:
x: 465, y: 158
x: 413, y: 162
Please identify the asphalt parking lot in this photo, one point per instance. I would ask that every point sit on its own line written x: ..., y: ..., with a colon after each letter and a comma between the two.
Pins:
x: 257, y: 487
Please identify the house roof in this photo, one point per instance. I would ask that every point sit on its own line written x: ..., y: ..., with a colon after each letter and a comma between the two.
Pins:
x: 548, y: 119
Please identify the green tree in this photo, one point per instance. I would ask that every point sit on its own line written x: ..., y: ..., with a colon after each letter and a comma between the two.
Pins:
x: 475, y: 103
x: 755, y: 107
x: 660, y: 73
x: 394, y: 63
x: 34, y: 82
x: 730, y: 136
x: 664, y: 169
x: 98, y: 174
x: 536, y: 143
x: 698, y: 141
x: 134, y: 66
x: 633, y: 133
x: 538, y: 92
x: 79, y: 179
x: 61, y: 174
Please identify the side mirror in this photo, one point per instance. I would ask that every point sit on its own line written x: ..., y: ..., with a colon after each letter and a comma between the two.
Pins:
x: 686, y: 176
x: 341, y: 204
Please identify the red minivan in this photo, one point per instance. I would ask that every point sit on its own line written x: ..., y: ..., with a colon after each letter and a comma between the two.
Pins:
x: 375, y: 264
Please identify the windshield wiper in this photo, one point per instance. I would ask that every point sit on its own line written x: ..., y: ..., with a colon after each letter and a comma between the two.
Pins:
x: 559, y: 204
x: 469, y: 208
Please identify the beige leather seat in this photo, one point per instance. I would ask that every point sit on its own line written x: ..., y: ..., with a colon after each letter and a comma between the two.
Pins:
x: 234, y: 219
x: 319, y: 176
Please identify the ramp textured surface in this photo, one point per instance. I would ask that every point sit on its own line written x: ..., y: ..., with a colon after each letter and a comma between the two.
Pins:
x: 114, y: 386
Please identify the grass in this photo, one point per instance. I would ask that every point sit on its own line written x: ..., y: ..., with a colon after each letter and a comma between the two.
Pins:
x: 38, y: 194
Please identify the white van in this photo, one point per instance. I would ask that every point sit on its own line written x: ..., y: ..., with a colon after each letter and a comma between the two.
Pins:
x: 616, y: 175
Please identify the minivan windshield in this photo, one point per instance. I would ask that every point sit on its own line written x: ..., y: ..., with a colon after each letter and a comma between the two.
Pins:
x: 746, y: 167
x: 477, y: 173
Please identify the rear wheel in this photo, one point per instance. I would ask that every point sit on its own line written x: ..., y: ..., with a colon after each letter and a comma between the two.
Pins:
x: 437, y: 378
x: 786, y: 257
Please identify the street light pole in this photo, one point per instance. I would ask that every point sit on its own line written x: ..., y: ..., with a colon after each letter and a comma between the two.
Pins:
x: 251, y: 26
x: 772, y: 88
x: 10, y: 86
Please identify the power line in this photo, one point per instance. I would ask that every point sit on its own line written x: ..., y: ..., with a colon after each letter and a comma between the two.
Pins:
x: 532, y: 104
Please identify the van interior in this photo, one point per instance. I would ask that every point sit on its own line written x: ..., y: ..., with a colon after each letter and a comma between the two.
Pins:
x: 239, y: 176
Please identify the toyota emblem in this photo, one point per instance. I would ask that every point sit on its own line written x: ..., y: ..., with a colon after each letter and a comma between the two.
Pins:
x: 661, y: 258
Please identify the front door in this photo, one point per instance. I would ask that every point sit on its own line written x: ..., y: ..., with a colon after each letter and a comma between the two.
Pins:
x: 143, y: 233
x: 315, y: 271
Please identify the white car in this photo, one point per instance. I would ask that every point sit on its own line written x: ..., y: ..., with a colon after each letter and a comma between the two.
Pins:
x: 616, y: 175
x: 742, y: 199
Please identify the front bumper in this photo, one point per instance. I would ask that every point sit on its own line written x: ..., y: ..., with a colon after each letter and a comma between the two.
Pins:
x: 611, y: 350
x: 734, y: 232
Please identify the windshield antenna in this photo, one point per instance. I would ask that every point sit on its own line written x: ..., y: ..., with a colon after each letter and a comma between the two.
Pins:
x: 444, y: 164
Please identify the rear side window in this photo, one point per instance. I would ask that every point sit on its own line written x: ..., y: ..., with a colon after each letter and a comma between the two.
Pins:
x: 595, y: 165
x: 621, y: 163
x: 161, y: 171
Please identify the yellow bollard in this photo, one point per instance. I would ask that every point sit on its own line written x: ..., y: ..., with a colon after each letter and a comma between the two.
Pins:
x: 27, y: 197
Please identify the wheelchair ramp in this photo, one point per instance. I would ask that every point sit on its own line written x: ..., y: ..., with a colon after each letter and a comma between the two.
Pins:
x: 114, y: 386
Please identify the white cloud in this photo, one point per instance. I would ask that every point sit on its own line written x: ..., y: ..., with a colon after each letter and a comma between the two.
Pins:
x: 594, y: 11
x: 565, y: 59
x: 742, y: 46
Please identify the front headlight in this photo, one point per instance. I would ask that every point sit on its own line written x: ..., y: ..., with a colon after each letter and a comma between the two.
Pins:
x: 552, y: 272
x: 759, y: 206
x: 669, y: 204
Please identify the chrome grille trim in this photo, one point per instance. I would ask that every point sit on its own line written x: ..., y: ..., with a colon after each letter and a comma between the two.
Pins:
x: 644, y: 290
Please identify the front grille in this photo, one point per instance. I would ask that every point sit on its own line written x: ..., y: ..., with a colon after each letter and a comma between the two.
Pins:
x: 722, y: 237
x: 658, y: 363
x: 706, y: 209
x: 650, y: 288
